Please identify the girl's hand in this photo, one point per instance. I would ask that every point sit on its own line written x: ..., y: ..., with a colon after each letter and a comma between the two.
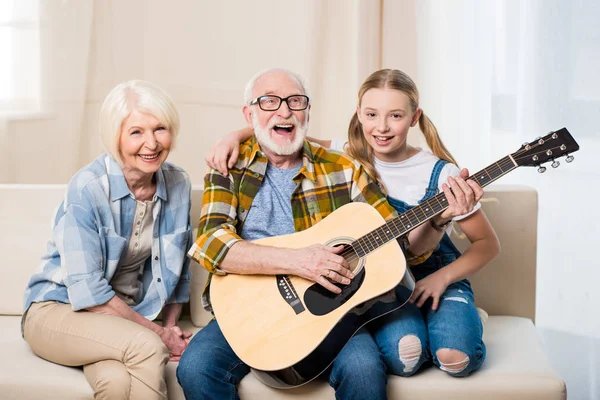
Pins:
x: 432, y: 286
x: 224, y: 154
x: 462, y: 198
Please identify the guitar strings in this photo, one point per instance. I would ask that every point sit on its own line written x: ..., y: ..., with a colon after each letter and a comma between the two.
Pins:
x: 349, y: 253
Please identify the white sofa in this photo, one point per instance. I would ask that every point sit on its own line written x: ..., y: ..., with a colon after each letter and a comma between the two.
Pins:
x: 516, y: 367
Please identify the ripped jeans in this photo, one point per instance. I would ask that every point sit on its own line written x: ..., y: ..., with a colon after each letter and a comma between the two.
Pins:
x: 410, y: 337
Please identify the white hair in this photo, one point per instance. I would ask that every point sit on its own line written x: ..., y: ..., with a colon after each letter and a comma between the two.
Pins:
x: 127, y: 97
x: 248, y: 97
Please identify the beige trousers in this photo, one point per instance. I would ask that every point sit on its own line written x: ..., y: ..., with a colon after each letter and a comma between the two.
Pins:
x: 120, y: 359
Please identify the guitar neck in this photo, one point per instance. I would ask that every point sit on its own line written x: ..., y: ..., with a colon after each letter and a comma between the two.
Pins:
x: 419, y: 214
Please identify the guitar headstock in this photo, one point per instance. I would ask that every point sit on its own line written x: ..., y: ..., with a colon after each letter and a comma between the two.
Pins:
x: 548, y: 148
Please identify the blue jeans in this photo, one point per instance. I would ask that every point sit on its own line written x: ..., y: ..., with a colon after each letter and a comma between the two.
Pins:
x: 209, y: 369
x: 455, y: 325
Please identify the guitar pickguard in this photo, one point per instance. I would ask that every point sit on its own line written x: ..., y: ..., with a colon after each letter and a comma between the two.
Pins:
x: 320, y: 301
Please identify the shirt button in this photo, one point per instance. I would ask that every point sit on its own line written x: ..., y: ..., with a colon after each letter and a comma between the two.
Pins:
x: 136, y: 233
x: 158, y: 280
x: 156, y: 257
x: 141, y: 213
x: 136, y: 245
x: 138, y: 222
x: 242, y: 209
x: 256, y: 174
x: 156, y: 235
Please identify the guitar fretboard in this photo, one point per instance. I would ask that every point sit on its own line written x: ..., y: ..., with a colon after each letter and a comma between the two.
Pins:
x: 417, y: 215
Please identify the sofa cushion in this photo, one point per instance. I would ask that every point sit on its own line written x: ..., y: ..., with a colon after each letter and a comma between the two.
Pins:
x: 26, y: 213
x: 516, y: 368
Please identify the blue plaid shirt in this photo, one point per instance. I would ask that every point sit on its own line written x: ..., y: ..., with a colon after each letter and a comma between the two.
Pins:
x: 92, y: 228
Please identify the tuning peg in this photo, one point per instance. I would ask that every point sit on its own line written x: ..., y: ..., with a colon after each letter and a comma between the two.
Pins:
x: 569, y: 158
x: 555, y: 164
x: 541, y: 169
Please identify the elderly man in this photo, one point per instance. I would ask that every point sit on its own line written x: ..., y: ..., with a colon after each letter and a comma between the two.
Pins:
x: 281, y: 184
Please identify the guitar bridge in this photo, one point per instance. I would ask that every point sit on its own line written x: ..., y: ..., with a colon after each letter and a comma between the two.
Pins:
x: 287, y: 291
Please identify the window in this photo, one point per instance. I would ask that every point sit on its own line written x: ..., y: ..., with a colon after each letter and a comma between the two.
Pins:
x: 19, y: 55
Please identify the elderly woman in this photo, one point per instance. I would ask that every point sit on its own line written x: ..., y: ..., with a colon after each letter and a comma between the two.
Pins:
x: 117, y: 255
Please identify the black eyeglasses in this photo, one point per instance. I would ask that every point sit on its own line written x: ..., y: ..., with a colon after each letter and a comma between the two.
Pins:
x: 296, y: 102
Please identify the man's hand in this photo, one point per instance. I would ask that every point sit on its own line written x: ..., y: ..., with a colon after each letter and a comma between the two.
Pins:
x: 322, y: 264
x: 461, y: 199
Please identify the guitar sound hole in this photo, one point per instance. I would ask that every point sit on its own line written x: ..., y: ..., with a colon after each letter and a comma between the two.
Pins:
x: 320, y: 301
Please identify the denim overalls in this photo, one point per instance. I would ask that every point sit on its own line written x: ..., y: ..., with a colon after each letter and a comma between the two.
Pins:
x: 456, y: 323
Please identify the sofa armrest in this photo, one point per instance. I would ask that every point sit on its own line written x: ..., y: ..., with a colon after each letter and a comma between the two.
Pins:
x: 507, y: 285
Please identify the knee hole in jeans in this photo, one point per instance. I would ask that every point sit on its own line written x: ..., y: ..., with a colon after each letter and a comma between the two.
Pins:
x: 409, y: 350
x: 452, y: 361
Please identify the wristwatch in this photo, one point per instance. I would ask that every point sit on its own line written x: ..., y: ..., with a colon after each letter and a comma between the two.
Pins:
x: 439, y: 228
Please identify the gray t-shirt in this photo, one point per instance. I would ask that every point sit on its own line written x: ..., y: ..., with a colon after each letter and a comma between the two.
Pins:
x: 271, y: 210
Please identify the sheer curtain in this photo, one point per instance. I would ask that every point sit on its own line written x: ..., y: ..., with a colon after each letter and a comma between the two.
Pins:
x: 499, y: 73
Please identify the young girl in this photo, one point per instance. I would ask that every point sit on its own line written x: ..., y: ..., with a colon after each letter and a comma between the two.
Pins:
x: 441, y: 323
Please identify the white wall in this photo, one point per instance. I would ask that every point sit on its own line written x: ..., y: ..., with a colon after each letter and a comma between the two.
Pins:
x: 202, y: 54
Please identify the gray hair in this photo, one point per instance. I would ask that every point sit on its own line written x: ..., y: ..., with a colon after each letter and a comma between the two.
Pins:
x: 134, y: 95
x: 299, y: 80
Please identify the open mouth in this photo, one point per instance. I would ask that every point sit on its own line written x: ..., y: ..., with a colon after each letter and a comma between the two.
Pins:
x: 382, y: 139
x: 150, y: 157
x: 283, y: 129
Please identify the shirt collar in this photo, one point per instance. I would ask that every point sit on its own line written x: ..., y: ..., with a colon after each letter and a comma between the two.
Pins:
x: 308, y: 161
x: 118, y: 184
x: 308, y: 165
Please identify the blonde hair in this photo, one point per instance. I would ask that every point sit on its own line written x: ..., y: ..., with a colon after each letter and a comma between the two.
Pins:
x: 129, y: 96
x: 360, y: 150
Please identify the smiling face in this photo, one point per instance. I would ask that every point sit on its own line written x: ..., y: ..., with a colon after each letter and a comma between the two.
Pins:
x: 144, y: 144
x: 386, y: 116
x: 281, y: 132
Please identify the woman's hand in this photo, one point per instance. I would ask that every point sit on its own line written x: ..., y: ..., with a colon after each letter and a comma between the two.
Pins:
x: 224, y: 154
x: 433, y: 286
x: 176, y: 341
x: 462, y: 196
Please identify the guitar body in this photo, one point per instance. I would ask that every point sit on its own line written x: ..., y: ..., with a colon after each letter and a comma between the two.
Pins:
x: 290, y: 329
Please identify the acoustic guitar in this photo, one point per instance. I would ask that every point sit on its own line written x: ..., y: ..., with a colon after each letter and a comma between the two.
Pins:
x: 289, y: 330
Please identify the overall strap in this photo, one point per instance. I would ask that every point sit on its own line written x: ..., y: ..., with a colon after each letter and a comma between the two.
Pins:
x: 432, y: 190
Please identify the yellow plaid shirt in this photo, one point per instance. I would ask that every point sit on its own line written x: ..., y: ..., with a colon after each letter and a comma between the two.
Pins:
x: 326, y: 181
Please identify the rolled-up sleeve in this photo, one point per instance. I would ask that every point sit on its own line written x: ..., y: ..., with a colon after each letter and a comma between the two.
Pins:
x: 216, y: 229
x: 82, y: 260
